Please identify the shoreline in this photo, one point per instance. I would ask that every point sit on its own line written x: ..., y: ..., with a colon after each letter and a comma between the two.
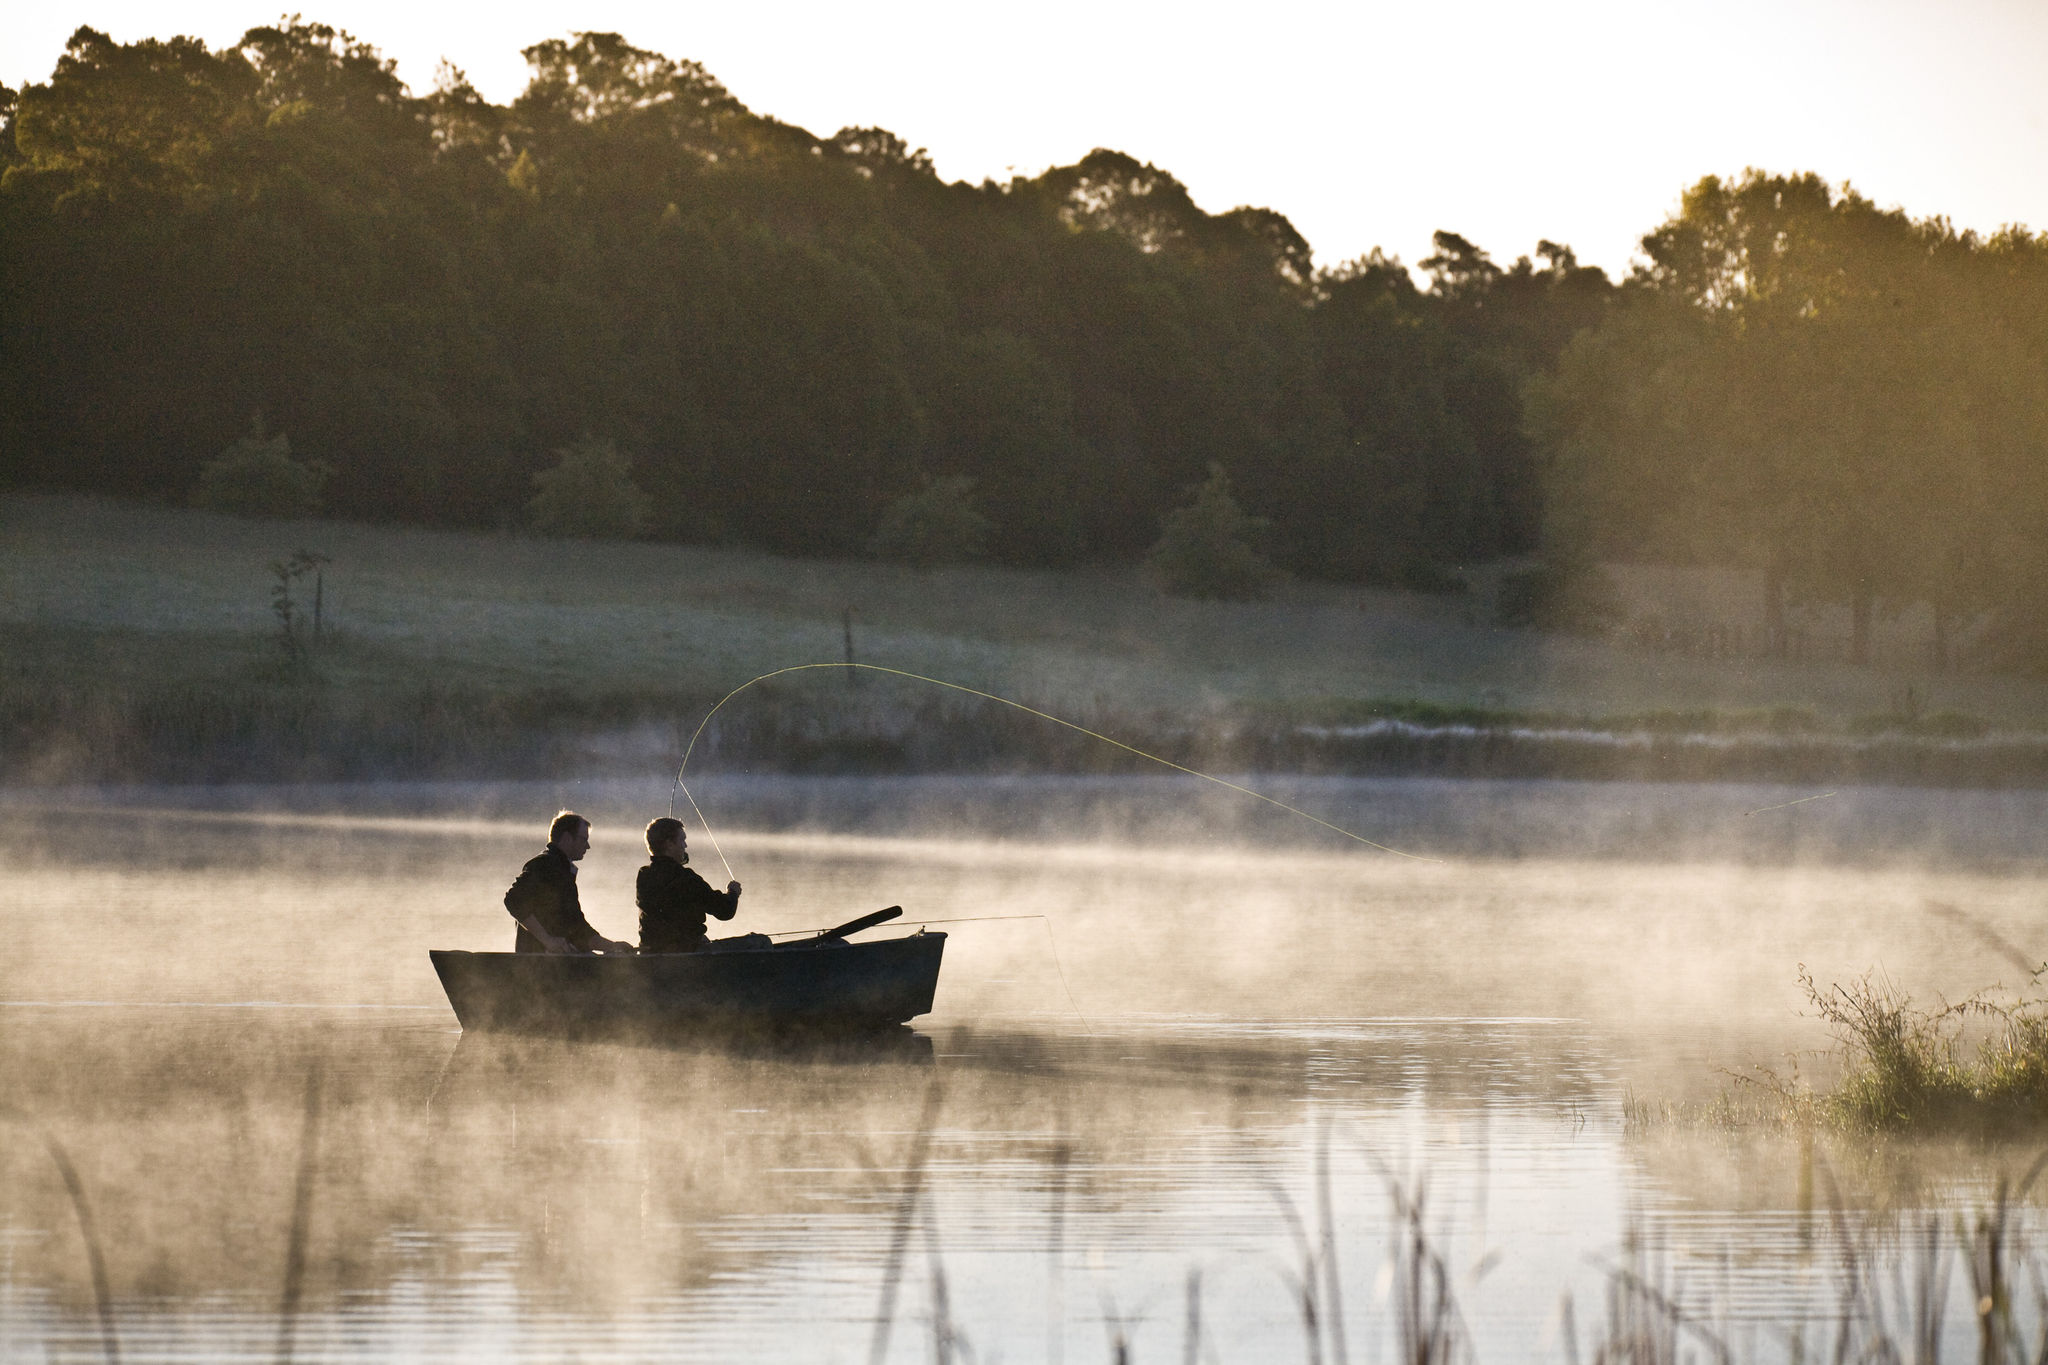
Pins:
x: 1505, y: 822
x: 225, y: 735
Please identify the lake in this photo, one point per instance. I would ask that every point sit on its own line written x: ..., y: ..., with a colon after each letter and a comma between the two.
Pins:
x: 1194, y: 1067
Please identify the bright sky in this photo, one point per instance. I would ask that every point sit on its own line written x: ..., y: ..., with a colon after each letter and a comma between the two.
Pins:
x: 1367, y: 123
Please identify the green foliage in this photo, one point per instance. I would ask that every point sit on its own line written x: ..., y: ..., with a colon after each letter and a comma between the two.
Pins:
x: 1841, y: 397
x: 937, y: 524
x: 257, y: 477
x: 1205, y: 547
x: 1908, y: 1067
x: 435, y: 291
x: 588, y: 494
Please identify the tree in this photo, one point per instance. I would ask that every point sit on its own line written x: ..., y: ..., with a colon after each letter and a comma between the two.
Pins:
x: 127, y: 123
x: 1804, y: 384
x: 589, y: 494
x: 257, y: 477
x: 434, y: 293
x: 1110, y: 191
x: 1205, y: 550
x: 1458, y: 269
x: 995, y: 406
x: 879, y: 152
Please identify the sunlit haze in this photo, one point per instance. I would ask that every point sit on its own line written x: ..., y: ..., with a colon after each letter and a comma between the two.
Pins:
x: 1367, y: 124
x: 629, y: 735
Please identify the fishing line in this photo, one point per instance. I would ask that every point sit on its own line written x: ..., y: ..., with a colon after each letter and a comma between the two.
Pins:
x: 1016, y: 705
x: 1054, y: 945
x: 1783, y: 804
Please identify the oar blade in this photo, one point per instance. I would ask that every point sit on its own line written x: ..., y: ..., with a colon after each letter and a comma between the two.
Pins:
x: 854, y: 926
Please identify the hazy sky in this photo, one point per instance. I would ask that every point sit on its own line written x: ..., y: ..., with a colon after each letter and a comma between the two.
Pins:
x: 1366, y: 123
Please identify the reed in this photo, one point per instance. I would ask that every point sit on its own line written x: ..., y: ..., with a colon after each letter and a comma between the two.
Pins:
x: 1981, y: 1062
x: 1895, y: 1284
x: 88, y: 1229
x: 302, y: 1216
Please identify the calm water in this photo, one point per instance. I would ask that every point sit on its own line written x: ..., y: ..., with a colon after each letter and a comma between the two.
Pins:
x: 1216, y: 1018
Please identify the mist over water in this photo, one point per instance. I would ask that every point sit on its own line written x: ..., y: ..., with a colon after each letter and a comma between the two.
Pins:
x: 1132, y: 1088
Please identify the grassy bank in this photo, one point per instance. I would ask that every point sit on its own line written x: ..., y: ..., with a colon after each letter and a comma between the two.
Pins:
x: 140, y: 643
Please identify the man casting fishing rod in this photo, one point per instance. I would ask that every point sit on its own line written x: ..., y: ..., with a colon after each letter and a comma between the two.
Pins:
x: 543, y: 901
x: 674, y: 900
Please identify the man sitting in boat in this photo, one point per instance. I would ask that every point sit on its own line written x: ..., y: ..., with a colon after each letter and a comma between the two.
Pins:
x: 543, y: 900
x: 673, y: 899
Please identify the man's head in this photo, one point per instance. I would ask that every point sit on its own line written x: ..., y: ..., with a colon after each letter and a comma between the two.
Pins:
x: 570, y: 833
x: 665, y: 837
x: 662, y: 831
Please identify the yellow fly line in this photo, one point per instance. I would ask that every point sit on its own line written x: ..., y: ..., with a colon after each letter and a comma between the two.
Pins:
x: 1787, y: 805
x: 1016, y: 705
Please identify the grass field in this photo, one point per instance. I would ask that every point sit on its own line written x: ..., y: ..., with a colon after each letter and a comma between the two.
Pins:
x: 108, y: 601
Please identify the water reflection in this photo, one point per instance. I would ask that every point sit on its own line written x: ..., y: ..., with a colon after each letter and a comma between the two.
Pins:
x: 665, y: 1191
x: 512, y: 1197
x: 1466, y: 1031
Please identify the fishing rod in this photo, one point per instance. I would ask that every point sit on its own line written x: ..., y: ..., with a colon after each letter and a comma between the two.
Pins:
x: 970, y: 919
x: 1051, y: 941
x: 689, y: 749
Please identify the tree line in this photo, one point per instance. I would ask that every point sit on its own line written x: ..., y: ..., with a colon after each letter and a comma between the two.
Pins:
x: 443, y: 310
x: 1850, y: 402
x: 783, y: 336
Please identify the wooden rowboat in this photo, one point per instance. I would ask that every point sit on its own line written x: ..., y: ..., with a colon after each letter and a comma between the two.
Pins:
x: 823, y: 982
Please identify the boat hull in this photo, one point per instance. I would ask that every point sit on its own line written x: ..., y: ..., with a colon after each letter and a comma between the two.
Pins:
x: 827, y: 986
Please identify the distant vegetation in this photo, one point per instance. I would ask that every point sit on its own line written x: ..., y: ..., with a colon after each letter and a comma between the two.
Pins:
x: 785, y: 335
x: 1207, y: 547
x: 589, y: 494
x: 1848, y: 401
x: 813, y: 345
x: 256, y: 476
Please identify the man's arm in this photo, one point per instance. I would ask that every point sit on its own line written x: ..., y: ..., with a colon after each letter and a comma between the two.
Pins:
x: 547, y: 940
x: 717, y: 904
x: 577, y: 931
x: 732, y: 900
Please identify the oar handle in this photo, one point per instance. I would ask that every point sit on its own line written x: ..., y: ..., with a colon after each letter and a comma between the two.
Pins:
x: 854, y: 926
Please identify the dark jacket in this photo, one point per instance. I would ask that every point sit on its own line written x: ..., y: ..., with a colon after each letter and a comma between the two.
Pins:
x: 545, y: 892
x: 673, y: 902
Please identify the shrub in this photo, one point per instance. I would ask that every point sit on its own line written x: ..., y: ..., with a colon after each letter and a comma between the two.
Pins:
x: 589, y: 494
x: 257, y: 477
x: 1907, y: 1067
x: 1205, y: 547
x: 935, y: 525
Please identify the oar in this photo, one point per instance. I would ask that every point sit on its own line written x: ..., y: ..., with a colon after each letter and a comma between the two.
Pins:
x: 854, y: 926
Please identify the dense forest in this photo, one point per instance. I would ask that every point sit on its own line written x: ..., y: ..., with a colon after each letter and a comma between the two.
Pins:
x: 443, y: 310
x: 783, y: 334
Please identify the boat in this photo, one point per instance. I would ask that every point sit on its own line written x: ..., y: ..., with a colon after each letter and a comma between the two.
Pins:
x: 824, y: 982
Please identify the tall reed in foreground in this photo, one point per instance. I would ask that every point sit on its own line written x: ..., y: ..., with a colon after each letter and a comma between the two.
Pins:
x: 302, y: 1217
x: 96, y: 1261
